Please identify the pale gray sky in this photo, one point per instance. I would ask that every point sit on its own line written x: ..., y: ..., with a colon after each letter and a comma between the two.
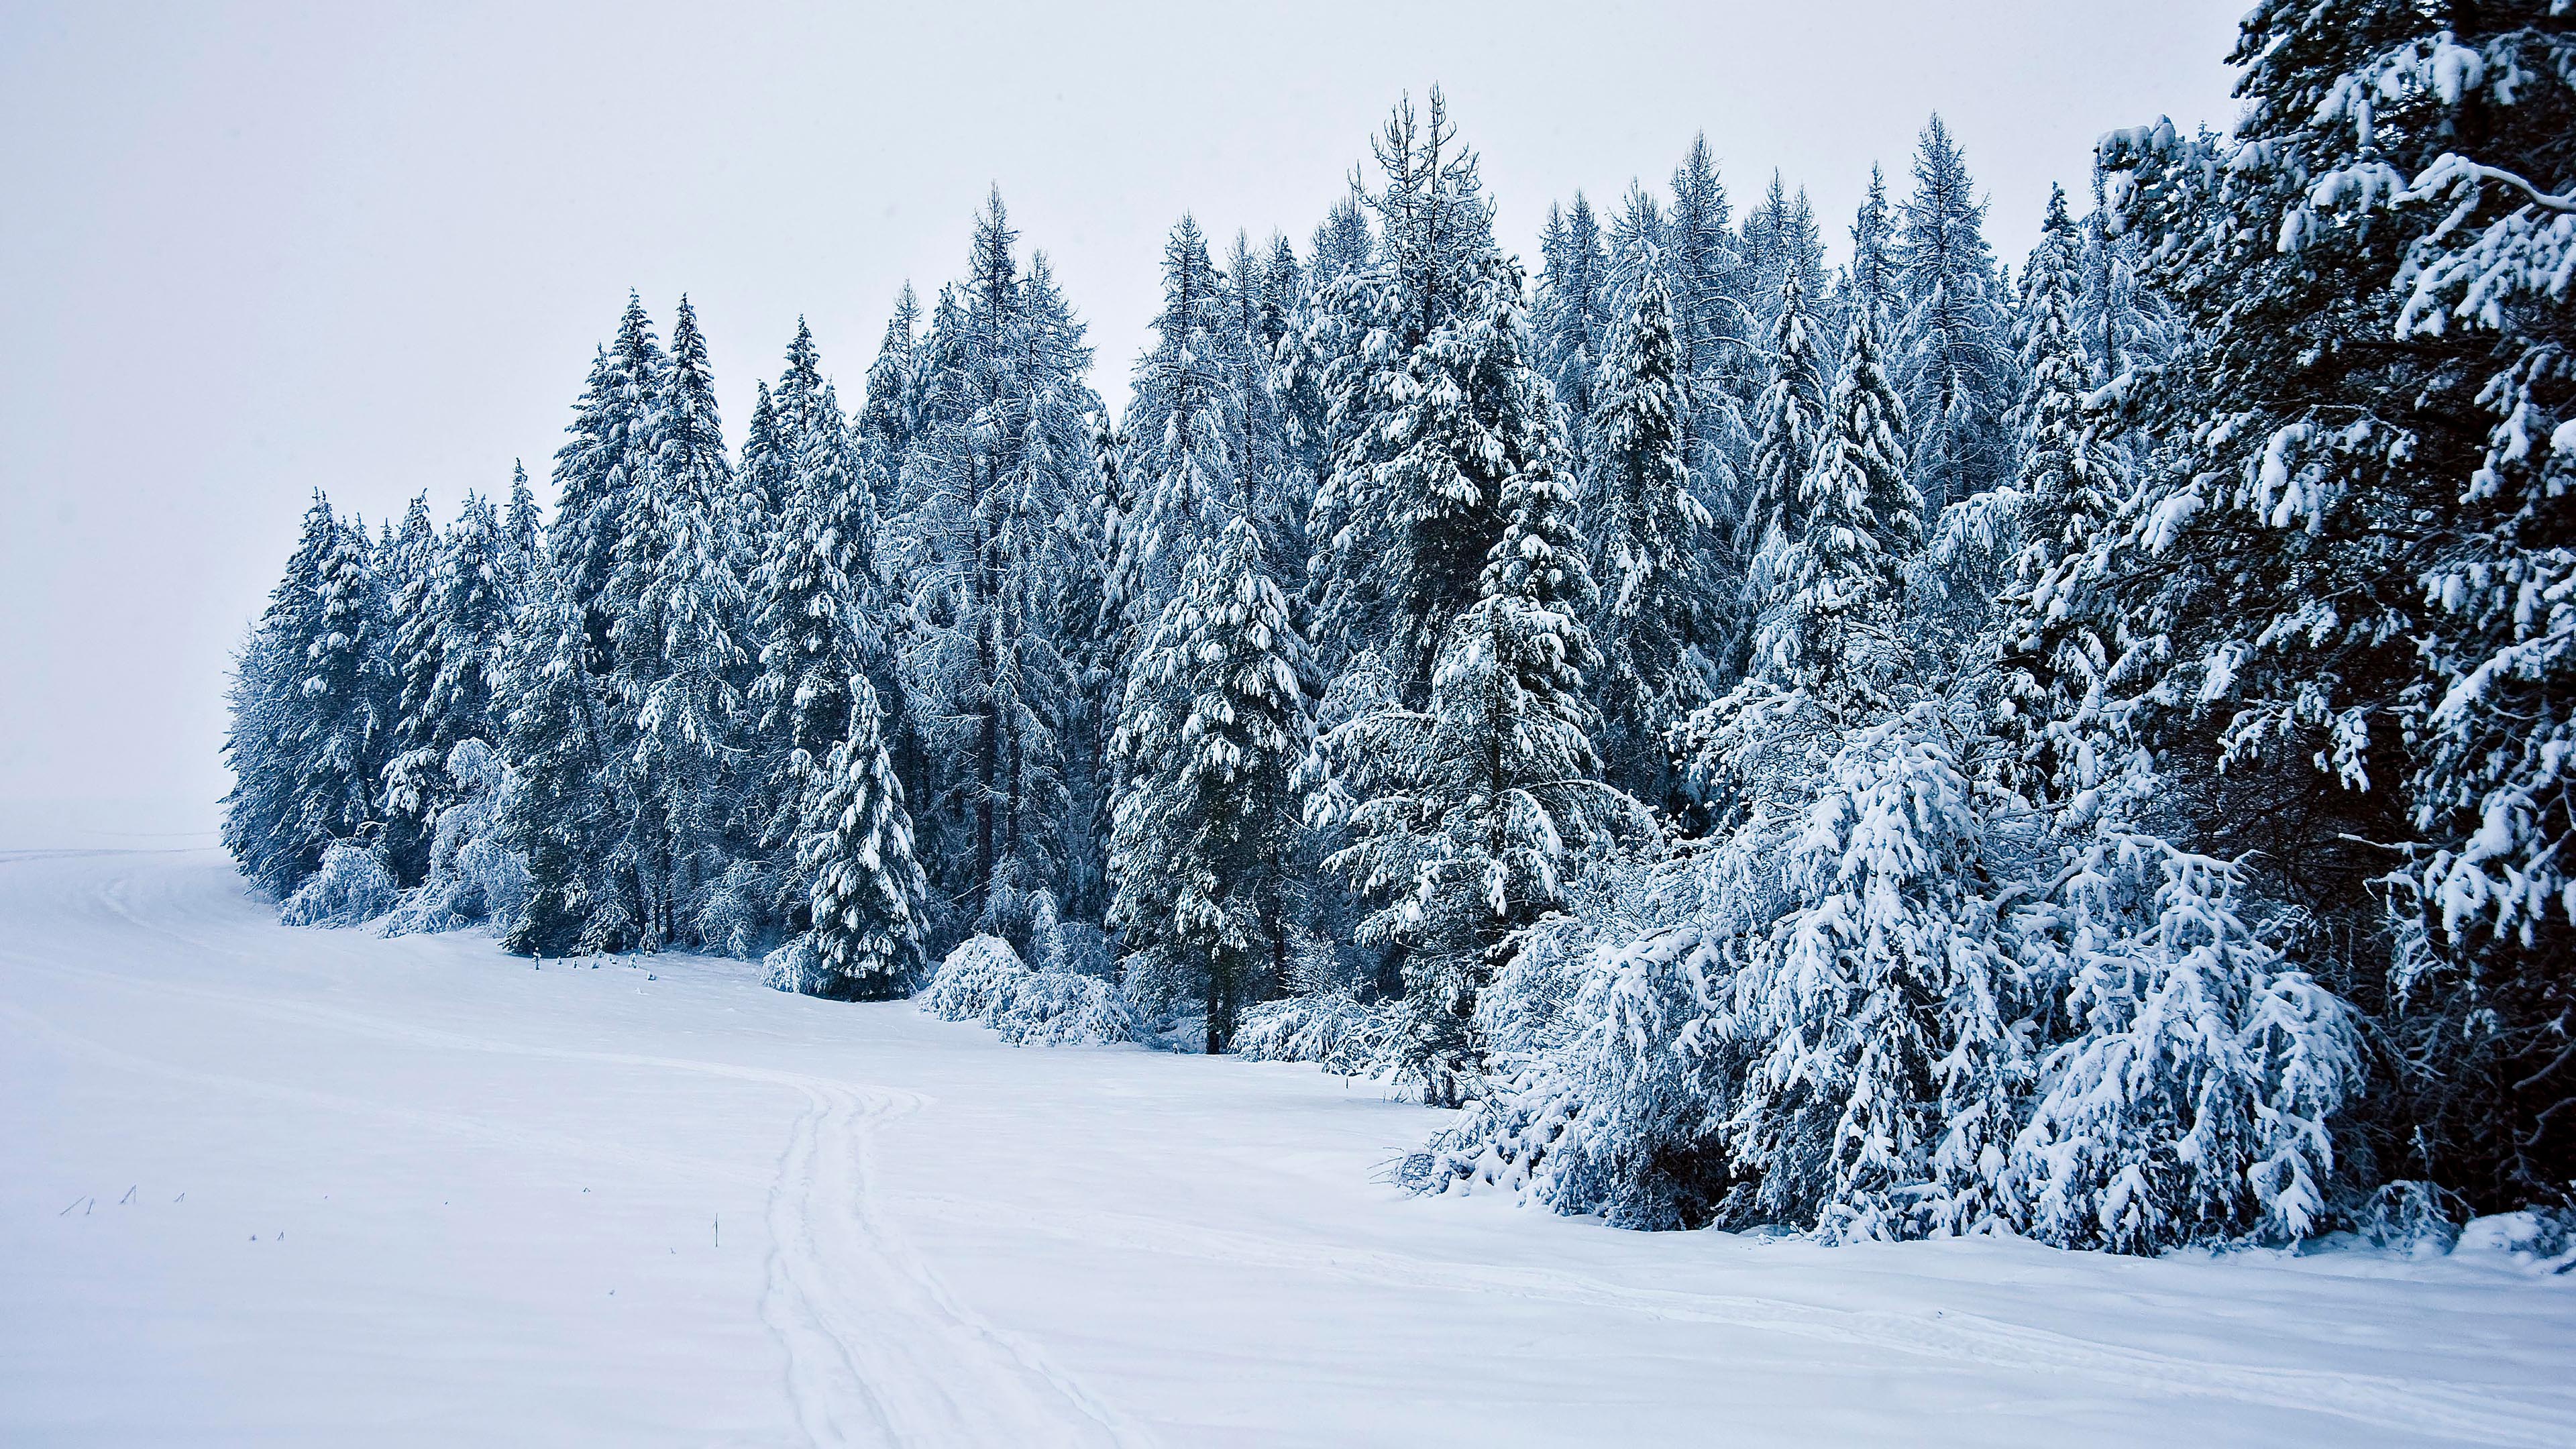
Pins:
x: 246, y: 250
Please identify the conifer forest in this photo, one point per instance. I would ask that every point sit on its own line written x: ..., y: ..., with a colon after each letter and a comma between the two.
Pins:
x: 1785, y: 722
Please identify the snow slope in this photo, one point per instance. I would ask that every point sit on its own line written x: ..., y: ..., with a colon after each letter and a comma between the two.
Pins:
x: 277, y: 1186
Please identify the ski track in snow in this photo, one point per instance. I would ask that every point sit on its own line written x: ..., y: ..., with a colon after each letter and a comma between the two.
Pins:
x: 878, y: 1349
x: 2430, y: 1410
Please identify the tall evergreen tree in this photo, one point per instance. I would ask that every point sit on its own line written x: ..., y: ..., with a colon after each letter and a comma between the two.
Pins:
x: 1792, y: 420
x: 866, y: 895
x: 1210, y: 736
x: 2327, y: 597
x: 681, y: 662
x: 415, y: 772
x: 565, y: 810
x: 598, y: 471
x: 1646, y: 547
x: 523, y: 534
x: 1186, y: 421
x: 1473, y: 814
x: 1571, y: 318
x: 1832, y: 593
x: 308, y: 729
x: 1953, y: 364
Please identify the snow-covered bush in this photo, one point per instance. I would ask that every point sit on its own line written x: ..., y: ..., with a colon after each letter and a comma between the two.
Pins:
x: 2544, y: 1235
x: 1609, y: 1094
x: 1331, y: 1029
x: 1907, y: 1010
x: 985, y: 982
x: 2192, y: 1098
x: 735, y: 918
x: 475, y: 878
x: 352, y: 888
x: 2409, y: 1215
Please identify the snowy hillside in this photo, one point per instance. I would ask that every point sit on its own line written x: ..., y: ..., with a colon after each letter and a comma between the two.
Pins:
x: 279, y: 1186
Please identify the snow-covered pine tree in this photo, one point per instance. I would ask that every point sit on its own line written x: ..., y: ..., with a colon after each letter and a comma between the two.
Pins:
x: 1791, y: 419
x: 1703, y: 268
x: 1953, y: 363
x: 1432, y: 407
x: 1473, y: 815
x: 865, y: 892
x: 1871, y: 1002
x: 523, y: 537
x: 1872, y: 280
x: 2051, y: 653
x: 598, y: 471
x: 307, y: 733
x: 2190, y: 1098
x: 1647, y: 550
x: 2125, y: 326
x: 1781, y: 245
x: 680, y: 657
x: 474, y: 601
x: 1829, y: 613
x: 1636, y: 240
x: 1003, y: 465
x: 414, y: 786
x: 1185, y: 420
x: 764, y: 467
x: 1210, y: 737
x: 565, y: 809
x: 818, y: 617
x: 1571, y: 318
x: 2355, y: 590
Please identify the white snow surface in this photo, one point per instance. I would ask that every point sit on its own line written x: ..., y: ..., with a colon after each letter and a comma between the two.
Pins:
x: 318, y: 1187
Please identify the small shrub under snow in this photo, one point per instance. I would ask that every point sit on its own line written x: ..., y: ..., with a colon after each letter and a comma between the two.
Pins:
x: 1330, y: 1029
x: 984, y: 981
x: 351, y: 888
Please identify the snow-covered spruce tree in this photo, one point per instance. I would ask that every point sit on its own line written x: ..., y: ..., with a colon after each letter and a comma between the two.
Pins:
x: 1210, y: 736
x: 680, y: 659
x: 1790, y: 419
x: 598, y: 471
x: 1703, y: 267
x: 307, y: 733
x: 764, y: 466
x: 1647, y: 551
x: 2050, y: 654
x: 1570, y: 318
x: 865, y: 892
x: 1475, y: 813
x: 1953, y: 362
x: 451, y: 636
x: 1278, y: 490
x: 2189, y: 1098
x: 1003, y: 464
x: 1871, y: 282
x: 1878, y: 1000
x: 2124, y: 326
x: 1830, y: 610
x: 414, y: 786
x: 564, y: 811
x: 1185, y: 420
x: 817, y: 614
x: 523, y: 536
x: 2353, y: 556
x: 1434, y: 403
x: 1781, y: 245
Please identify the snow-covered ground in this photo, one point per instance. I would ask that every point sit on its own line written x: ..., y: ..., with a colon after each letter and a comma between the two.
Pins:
x: 271, y: 1186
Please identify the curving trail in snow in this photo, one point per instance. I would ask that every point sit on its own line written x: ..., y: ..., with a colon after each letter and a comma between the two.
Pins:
x: 272, y: 1186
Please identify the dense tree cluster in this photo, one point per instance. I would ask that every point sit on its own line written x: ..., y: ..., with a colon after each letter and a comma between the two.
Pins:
x: 1893, y: 749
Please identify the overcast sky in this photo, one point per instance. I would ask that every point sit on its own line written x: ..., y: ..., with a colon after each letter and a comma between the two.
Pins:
x: 246, y: 251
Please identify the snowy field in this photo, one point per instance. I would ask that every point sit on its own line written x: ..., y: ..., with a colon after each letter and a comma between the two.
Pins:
x: 270, y: 1186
